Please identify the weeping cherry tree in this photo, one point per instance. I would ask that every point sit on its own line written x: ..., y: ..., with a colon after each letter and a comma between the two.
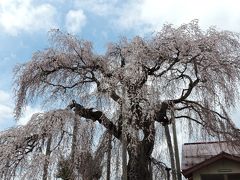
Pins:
x: 192, y: 71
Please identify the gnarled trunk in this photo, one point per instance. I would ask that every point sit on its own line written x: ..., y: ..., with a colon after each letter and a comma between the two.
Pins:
x: 139, y: 162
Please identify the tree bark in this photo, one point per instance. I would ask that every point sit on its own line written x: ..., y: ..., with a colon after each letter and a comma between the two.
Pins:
x: 139, y: 161
x: 171, y: 153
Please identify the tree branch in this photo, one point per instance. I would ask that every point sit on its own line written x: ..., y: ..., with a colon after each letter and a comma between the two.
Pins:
x: 96, y: 116
x: 190, y: 118
x: 175, y: 60
x: 191, y: 85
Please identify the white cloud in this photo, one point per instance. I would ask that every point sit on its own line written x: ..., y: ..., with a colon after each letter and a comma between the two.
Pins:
x: 27, y: 114
x: 75, y: 21
x: 150, y: 15
x: 4, y: 97
x: 146, y: 16
x: 6, y: 111
x: 23, y: 15
x: 100, y: 8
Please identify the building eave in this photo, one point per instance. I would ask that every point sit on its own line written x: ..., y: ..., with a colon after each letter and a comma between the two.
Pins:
x: 223, y: 155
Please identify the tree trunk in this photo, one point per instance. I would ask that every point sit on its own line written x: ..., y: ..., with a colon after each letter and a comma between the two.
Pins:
x: 139, y: 162
x: 171, y: 153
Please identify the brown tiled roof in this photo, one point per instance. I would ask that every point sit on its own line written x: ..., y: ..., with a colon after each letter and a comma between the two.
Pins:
x: 223, y: 155
x: 196, y: 153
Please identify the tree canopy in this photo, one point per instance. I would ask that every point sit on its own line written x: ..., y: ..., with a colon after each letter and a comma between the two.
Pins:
x: 137, y: 83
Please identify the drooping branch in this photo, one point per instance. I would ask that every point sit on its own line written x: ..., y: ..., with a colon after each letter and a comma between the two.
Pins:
x: 161, y: 166
x: 215, y: 123
x: 196, y: 104
x: 36, y: 140
x: 166, y: 105
x: 190, y: 118
x: 16, y: 151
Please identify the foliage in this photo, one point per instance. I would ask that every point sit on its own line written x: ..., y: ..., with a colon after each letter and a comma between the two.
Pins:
x: 138, y: 83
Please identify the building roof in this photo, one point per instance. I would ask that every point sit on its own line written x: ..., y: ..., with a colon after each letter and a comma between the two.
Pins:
x: 201, y: 154
x: 223, y: 155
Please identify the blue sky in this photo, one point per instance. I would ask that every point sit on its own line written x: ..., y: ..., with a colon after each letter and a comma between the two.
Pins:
x: 24, y: 26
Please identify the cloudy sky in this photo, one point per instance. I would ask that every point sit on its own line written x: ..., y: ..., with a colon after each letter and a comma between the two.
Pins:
x: 24, y: 27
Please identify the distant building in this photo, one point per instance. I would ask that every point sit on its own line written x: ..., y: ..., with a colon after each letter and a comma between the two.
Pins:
x: 210, y: 161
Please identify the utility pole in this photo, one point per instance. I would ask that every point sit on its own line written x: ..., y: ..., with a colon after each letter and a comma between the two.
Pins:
x: 109, y: 149
x: 171, y: 152
x: 175, y: 143
x: 46, y: 163
x: 124, y: 134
